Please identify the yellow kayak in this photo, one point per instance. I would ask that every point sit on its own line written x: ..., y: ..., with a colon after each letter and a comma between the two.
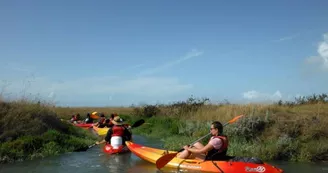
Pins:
x: 101, y: 131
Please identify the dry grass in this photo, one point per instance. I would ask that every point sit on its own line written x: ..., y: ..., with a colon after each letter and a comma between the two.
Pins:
x: 67, y: 112
x: 218, y: 112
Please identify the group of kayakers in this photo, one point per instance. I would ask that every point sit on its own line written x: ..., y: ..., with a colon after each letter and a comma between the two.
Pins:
x: 215, y: 149
x: 90, y: 118
x: 118, y: 131
x: 76, y: 119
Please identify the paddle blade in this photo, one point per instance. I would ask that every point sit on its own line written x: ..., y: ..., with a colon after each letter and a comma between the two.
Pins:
x: 235, y: 119
x: 162, y: 161
x: 94, y: 116
x: 138, y: 123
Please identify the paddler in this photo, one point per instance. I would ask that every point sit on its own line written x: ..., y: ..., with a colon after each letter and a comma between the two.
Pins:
x: 216, y: 148
x: 88, y: 120
x: 75, y: 118
x: 101, y: 122
x: 118, y: 134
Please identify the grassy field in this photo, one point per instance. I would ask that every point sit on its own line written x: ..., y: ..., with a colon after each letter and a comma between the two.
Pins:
x: 294, y: 131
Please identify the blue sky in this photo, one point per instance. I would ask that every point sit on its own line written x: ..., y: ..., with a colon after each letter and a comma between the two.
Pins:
x: 109, y: 53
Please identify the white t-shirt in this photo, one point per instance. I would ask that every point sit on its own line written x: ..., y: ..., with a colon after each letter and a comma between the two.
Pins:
x: 216, y: 142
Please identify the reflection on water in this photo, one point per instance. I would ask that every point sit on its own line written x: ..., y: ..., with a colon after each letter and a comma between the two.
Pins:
x: 95, y: 160
x: 291, y: 167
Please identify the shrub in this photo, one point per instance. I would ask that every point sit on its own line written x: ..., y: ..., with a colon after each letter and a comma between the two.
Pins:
x: 248, y: 128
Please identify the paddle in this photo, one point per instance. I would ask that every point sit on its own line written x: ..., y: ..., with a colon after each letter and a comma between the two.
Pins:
x: 162, y: 161
x: 138, y: 123
x: 134, y: 125
x: 94, y: 115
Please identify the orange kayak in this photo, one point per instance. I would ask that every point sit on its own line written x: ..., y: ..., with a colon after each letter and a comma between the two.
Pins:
x: 231, y: 166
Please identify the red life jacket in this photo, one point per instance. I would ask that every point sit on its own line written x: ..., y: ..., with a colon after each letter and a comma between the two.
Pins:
x: 74, y: 118
x: 218, y: 154
x: 118, y: 130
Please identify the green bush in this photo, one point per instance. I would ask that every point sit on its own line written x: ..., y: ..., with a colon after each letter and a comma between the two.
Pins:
x: 30, y: 130
x: 249, y: 128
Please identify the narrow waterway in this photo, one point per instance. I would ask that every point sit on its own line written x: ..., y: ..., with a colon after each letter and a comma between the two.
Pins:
x: 94, y: 160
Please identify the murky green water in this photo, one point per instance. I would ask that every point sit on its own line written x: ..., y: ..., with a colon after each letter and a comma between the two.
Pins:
x: 94, y: 160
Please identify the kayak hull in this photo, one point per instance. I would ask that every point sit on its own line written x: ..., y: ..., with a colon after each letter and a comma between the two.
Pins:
x: 109, y: 149
x: 101, y: 131
x: 152, y: 154
x: 85, y: 126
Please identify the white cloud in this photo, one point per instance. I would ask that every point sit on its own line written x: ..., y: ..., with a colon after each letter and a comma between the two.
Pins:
x: 259, y: 96
x: 154, y: 87
x: 51, y: 94
x: 322, y: 58
x: 191, y: 54
x: 288, y: 37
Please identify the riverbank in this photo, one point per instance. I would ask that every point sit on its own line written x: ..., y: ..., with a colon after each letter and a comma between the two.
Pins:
x: 290, y: 131
x: 31, y: 130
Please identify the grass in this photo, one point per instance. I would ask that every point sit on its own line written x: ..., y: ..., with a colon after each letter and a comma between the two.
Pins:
x: 31, y: 130
x: 293, y: 131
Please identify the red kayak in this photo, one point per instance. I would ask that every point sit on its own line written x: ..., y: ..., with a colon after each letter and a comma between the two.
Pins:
x: 116, y: 146
x: 109, y: 149
x: 83, y: 125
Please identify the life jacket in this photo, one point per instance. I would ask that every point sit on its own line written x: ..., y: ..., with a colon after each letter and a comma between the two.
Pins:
x: 118, y: 130
x: 221, y: 153
x: 88, y: 120
x: 102, y: 120
x: 75, y: 118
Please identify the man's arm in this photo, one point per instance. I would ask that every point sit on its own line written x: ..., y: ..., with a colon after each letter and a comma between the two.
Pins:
x: 109, y: 134
x: 127, y: 133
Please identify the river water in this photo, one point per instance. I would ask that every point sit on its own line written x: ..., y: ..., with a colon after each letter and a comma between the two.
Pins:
x: 94, y: 160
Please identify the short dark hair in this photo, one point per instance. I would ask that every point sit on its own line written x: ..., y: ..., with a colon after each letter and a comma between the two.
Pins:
x: 218, y: 125
x: 112, y: 116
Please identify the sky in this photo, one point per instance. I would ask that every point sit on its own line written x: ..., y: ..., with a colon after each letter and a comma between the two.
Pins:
x: 118, y: 53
